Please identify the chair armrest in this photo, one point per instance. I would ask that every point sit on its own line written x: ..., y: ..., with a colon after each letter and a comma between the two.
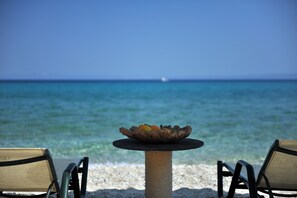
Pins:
x: 71, y: 180
x: 249, y: 170
x: 249, y: 181
x: 67, y: 176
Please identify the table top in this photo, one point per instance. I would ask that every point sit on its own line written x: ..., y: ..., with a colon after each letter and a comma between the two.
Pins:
x: 184, y: 144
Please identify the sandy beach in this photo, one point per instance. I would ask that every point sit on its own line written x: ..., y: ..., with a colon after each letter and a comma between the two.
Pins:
x: 128, y: 180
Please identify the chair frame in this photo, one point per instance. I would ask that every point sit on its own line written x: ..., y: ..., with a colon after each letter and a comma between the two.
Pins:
x: 70, y: 178
x: 251, y: 182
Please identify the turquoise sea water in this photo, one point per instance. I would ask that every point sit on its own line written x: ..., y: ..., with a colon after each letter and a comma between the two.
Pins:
x: 235, y: 119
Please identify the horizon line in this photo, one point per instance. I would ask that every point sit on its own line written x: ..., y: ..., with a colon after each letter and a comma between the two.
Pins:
x: 148, y: 80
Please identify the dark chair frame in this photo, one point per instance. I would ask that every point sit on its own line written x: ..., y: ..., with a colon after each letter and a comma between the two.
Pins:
x: 70, y: 178
x: 253, y: 177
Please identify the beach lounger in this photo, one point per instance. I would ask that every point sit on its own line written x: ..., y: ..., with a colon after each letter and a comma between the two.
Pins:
x: 278, y: 173
x: 34, y: 170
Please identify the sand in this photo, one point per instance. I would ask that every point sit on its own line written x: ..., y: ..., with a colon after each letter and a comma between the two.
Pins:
x: 128, y: 180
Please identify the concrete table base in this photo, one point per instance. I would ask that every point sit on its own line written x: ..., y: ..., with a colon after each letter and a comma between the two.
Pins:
x: 158, y: 174
x: 158, y: 163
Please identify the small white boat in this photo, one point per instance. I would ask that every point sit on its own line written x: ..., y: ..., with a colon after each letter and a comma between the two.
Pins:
x: 163, y: 79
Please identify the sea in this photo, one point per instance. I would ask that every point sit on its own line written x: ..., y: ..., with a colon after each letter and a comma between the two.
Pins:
x: 235, y: 119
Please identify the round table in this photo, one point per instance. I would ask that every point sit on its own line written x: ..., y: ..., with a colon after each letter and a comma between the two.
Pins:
x: 158, y: 163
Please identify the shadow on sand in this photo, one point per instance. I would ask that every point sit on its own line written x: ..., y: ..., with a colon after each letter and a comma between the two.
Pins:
x: 180, y: 193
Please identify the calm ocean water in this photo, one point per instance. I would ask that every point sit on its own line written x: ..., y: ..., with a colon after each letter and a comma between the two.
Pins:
x: 235, y: 119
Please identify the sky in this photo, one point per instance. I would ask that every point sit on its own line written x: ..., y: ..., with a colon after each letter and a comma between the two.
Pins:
x: 137, y: 39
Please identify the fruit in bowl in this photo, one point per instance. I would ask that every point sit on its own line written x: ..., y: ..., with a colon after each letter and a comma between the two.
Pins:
x: 157, y: 134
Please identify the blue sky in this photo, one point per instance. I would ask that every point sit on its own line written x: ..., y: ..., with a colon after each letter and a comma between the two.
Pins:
x: 135, y: 39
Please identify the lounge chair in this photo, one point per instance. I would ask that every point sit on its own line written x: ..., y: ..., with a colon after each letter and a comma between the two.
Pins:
x: 34, y: 170
x: 278, y: 173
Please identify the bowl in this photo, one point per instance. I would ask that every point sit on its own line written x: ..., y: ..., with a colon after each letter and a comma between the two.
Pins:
x: 163, y: 134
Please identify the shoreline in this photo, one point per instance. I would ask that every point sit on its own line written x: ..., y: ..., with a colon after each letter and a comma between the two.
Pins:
x: 128, y: 180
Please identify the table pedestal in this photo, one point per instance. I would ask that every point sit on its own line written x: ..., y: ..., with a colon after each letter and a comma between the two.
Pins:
x: 158, y: 174
x: 158, y: 163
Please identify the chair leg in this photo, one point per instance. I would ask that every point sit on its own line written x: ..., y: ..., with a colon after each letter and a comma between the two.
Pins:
x: 75, y: 183
x: 235, y: 180
x: 220, y: 178
x: 232, y: 187
x: 84, y: 176
x: 252, y: 182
